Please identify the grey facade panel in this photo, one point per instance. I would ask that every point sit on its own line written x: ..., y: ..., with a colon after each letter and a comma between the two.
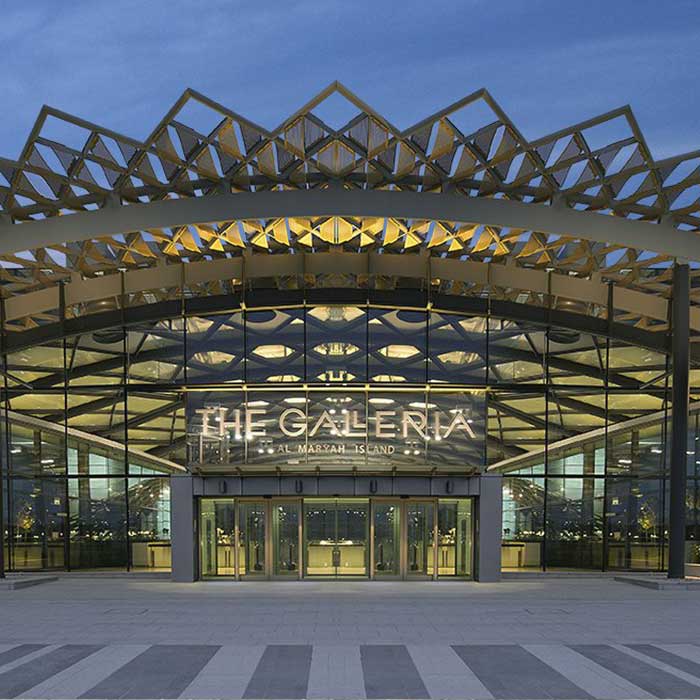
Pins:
x: 183, y: 529
x: 489, y: 524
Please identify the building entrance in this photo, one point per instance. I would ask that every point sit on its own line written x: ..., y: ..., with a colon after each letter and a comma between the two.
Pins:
x: 336, y: 537
x: 407, y: 538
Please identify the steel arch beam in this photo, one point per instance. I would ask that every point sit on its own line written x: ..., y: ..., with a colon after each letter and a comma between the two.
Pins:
x: 556, y: 219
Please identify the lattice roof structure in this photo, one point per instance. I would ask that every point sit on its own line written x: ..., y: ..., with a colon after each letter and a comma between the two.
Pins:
x: 602, y: 165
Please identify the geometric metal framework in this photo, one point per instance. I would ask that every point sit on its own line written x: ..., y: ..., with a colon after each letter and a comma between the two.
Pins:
x: 471, y: 150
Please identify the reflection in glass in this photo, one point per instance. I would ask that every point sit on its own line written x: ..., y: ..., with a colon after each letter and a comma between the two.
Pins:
x: 420, y: 537
x: 397, y: 346
x: 635, y: 523
x: 455, y: 538
x: 336, y: 537
x: 97, y: 512
x: 523, y: 522
x: 251, y: 533
x: 285, y: 533
x: 215, y: 348
x: 38, y: 519
x: 575, y: 523
x: 387, y: 539
x: 149, y: 522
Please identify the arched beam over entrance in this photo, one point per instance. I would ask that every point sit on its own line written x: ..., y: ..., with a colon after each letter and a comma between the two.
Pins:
x: 558, y: 220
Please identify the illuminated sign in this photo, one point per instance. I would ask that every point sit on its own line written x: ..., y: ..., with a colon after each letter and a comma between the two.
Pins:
x: 355, y: 428
x: 221, y: 421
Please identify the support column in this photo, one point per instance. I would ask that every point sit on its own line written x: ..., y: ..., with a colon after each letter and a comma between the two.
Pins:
x: 183, y: 530
x: 489, y: 528
x: 679, y: 419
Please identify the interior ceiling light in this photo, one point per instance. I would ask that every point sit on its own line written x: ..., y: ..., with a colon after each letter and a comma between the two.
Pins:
x: 336, y: 314
x: 458, y: 357
x: 336, y: 349
x: 399, y: 352
x: 388, y: 378
x: 213, y: 357
x: 272, y: 352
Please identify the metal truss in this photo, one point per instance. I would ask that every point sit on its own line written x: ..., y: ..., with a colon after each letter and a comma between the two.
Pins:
x: 202, y: 151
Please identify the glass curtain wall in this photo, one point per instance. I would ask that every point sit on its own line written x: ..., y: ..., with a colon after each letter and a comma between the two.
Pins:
x: 520, y: 388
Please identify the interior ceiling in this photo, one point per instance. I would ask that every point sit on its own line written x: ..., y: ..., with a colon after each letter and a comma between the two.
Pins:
x: 519, y: 415
x: 470, y: 148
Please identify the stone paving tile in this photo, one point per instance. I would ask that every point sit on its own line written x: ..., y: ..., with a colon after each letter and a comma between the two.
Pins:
x: 647, y: 643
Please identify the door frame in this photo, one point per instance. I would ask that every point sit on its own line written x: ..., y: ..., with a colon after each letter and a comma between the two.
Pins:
x: 402, y: 502
x: 368, y: 538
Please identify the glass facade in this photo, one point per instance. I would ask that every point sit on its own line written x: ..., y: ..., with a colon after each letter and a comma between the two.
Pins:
x: 94, y: 423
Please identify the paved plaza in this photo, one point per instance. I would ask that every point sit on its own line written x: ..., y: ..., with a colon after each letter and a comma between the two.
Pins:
x: 539, y: 638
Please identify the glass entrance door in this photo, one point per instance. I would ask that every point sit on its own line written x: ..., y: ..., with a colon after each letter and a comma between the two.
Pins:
x: 251, y: 539
x: 455, y: 537
x: 420, y: 537
x: 285, y: 538
x: 217, y: 538
x: 336, y: 537
x: 386, y: 533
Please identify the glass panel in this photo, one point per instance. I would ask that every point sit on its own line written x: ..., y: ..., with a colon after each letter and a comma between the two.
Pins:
x: 274, y: 346
x: 523, y: 522
x: 351, y: 537
x: 420, y: 532
x: 157, y: 423
x: 576, y: 358
x: 636, y: 451
x: 516, y: 352
x: 149, y: 522
x: 336, y: 537
x: 517, y: 423
x: 319, y: 535
x: 285, y: 529
x: 225, y: 537
x: 96, y: 359
x: 336, y: 344
x: 38, y: 520
x: 38, y: 362
x: 156, y: 352
x: 627, y: 362
x: 251, y: 526
x: 575, y: 523
x: 456, y: 428
x: 457, y: 349
x: 454, y: 538
x: 397, y: 346
x: 35, y: 451
x: 215, y: 348
x: 207, y: 538
x: 635, y: 523
x: 215, y: 428
x: 97, y: 511
x: 387, y: 539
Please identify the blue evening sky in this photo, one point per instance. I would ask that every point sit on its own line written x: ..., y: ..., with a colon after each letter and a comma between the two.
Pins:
x: 549, y: 63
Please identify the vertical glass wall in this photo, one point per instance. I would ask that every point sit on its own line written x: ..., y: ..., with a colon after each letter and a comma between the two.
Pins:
x: 371, y: 387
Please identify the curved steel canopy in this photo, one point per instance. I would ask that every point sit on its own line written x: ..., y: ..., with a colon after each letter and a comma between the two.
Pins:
x: 333, y: 201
